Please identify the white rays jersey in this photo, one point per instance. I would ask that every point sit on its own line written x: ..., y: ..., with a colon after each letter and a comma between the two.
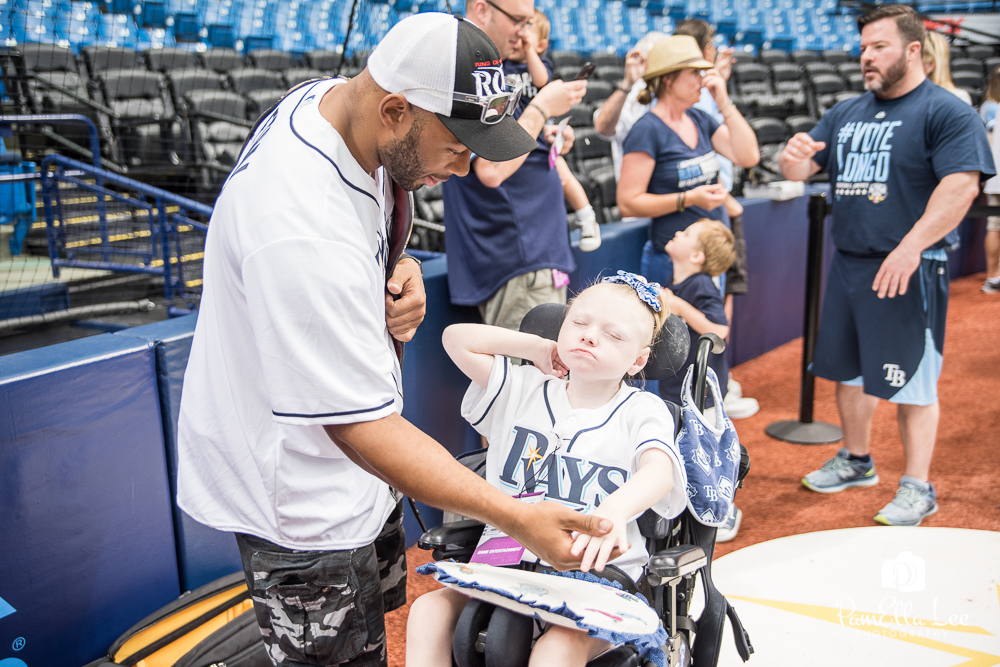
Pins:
x: 577, y: 457
x: 291, y: 336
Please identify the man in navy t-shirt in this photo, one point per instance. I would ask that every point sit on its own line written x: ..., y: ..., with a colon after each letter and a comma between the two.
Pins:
x: 505, y: 223
x: 906, y: 160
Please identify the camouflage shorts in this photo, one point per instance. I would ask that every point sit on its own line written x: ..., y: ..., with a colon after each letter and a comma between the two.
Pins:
x: 327, y: 607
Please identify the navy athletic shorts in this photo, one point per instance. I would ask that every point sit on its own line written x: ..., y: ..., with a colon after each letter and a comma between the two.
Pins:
x: 891, y: 347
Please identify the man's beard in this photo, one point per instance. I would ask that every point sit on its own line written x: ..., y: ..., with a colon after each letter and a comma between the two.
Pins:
x: 401, y: 158
x: 893, y: 75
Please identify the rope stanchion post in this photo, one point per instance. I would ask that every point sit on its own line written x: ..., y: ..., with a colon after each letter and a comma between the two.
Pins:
x: 805, y: 431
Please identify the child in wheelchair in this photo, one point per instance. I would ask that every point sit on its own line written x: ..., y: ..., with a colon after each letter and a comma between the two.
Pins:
x: 569, y: 427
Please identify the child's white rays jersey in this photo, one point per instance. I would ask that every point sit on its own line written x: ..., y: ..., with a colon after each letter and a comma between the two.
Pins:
x: 539, y: 443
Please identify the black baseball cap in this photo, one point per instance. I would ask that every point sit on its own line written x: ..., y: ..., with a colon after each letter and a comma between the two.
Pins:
x: 414, y: 60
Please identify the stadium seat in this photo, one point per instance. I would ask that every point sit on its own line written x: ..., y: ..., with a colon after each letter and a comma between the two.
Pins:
x: 755, y: 88
x: 773, y: 56
x: 815, y: 69
x: 429, y: 203
x: 851, y: 66
x: 990, y: 65
x: 856, y: 81
x: 567, y: 72
x: 786, y: 72
x: 222, y: 60
x: 50, y: 65
x: 190, y: 80
x: 566, y: 59
x: 325, y: 61
x: 799, y: 124
x: 259, y: 86
x: 598, y: 91
x: 826, y: 84
x: 750, y: 72
x: 40, y: 57
x: 588, y: 145
x: 102, y: 58
x: 580, y: 115
x: 610, y: 73
x: 967, y: 65
x: 606, y: 187
x: 836, y: 57
x: 607, y: 60
x: 145, y: 124
x: 805, y: 56
x: 769, y: 130
x: 964, y: 79
x: 295, y: 76
x: 217, y: 141
x: 790, y: 87
x: 162, y: 60
x: 361, y: 59
x: 979, y: 51
x: 271, y: 59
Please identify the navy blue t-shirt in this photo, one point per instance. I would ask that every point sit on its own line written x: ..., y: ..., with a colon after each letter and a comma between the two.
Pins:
x: 495, y: 234
x: 700, y: 292
x: 678, y: 168
x: 885, y: 157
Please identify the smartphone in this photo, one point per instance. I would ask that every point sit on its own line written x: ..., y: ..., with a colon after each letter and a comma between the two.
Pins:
x: 585, y: 72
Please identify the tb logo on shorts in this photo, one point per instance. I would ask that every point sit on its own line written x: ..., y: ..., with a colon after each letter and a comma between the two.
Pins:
x: 894, y: 376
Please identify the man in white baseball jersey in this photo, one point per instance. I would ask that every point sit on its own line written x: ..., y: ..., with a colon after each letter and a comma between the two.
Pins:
x: 290, y: 429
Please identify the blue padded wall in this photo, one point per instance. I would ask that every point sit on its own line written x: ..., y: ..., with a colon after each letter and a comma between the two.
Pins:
x: 88, y: 546
x: 203, y: 554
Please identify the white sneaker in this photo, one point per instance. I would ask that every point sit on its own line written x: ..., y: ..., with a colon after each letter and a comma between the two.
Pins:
x: 590, y: 231
x: 734, y: 388
x: 740, y: 408
x: 728, y: 530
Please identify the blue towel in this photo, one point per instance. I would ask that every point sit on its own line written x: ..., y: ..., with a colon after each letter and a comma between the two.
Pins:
x: 711, y: 451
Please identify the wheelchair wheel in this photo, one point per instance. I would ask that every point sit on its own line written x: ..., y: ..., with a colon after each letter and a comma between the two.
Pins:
x: 475, y: 618
x: 508, y: 639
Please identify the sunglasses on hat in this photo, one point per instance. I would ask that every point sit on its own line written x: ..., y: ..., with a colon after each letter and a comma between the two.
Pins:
x: 495, y: 107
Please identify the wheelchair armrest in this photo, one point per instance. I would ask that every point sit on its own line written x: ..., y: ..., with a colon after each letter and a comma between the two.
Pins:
x: 673, y: 563
x: 459, y: 533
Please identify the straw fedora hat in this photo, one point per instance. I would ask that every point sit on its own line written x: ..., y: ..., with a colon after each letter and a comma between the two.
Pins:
x: 674, y: 53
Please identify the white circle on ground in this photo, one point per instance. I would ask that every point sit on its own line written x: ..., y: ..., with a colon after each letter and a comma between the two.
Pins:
x: 870, y: 596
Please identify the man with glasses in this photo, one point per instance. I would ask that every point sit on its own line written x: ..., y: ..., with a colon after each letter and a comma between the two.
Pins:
x: 505, y: 223
x: 290, y: 431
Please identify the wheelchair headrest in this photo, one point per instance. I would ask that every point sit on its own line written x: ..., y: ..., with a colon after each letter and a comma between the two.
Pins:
x: 666, y: 359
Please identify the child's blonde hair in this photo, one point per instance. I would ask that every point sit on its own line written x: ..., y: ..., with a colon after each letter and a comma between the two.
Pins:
x: 719, y: 246
x: 541, y: 23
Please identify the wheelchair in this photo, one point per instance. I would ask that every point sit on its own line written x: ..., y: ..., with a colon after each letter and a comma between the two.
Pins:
x: 681, y: 548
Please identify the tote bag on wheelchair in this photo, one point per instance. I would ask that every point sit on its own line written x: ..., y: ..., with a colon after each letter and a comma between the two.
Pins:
x: 711, y: 451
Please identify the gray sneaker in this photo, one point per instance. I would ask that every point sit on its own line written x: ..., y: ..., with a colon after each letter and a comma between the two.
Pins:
x: 912, y: 503
x: 841, y: 472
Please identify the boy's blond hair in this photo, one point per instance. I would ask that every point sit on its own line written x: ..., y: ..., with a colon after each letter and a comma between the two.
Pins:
x: 718, y: 244
x: 541, y: 23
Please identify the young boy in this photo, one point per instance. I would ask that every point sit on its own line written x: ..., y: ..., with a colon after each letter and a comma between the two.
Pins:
x: 528, y: 62
x: 702, y: 251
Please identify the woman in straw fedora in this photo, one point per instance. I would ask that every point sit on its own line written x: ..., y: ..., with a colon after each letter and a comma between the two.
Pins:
x: 670, y: 171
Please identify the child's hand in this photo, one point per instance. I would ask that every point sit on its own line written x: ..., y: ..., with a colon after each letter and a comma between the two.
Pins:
x: 597, y: 551
x: 529, y: 40
x: 547, y: 360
